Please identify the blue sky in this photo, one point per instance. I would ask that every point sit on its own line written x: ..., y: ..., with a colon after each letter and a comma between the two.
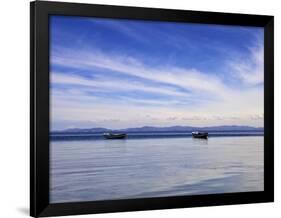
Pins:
x: 128, y: 73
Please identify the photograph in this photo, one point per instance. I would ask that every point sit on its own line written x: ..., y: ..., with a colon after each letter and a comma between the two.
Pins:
x: 148, y: 109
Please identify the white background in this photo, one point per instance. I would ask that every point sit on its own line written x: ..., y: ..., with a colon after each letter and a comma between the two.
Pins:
x: 14, y: 107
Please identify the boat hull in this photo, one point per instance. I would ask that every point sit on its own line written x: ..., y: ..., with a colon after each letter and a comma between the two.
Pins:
x: 200, y: 135
x: 115, y: 136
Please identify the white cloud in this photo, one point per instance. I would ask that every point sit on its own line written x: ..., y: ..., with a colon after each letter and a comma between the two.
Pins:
x: 250, y: 70
x: 189, y: 79
x: 218, y: 100
x: 110, y: 84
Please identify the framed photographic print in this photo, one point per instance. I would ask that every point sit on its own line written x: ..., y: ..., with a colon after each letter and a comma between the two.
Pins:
x: 141, y: 109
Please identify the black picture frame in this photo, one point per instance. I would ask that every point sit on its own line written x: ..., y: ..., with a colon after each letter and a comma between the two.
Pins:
x: 39, y: 108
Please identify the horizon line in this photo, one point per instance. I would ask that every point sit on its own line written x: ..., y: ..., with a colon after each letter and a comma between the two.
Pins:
x: 157, y: 127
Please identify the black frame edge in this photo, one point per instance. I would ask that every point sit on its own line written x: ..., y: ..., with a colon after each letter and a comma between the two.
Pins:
x: 130, y: 205
x: 32, y: 199
x: 39, y: 117
x: 145, y: 13
x: 269, y: 108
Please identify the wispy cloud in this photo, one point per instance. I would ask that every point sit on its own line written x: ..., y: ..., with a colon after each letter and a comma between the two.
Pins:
x: 250, y: 70
x: 119, y: 27
x: 112, y: 84
x: 187, y: 79
x: 191, y: 83
x: 95, y: 86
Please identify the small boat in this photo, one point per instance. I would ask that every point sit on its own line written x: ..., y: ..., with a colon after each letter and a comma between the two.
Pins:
x: 200, y: 135
x: 114, y: 135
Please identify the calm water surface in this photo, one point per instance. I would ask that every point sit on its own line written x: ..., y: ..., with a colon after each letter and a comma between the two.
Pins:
x: 88, y: 170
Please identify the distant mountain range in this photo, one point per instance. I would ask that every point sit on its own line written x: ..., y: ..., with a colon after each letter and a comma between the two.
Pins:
x: 164, y: 129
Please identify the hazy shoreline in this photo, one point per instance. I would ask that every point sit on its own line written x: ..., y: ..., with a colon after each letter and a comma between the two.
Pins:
x: 149, y: 135
x: 177, y: 128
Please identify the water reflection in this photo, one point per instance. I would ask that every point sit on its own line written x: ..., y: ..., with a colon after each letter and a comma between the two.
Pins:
x: 196, y: 141
x: 118, y: 169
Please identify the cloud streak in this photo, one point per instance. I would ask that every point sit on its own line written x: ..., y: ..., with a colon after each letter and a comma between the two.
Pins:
x: 187, y: 79
x: 112, y: 84
x: 96, y: 86
x: 250, y: 70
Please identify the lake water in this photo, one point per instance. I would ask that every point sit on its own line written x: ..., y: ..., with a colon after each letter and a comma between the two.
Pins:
x: 98, y: 169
